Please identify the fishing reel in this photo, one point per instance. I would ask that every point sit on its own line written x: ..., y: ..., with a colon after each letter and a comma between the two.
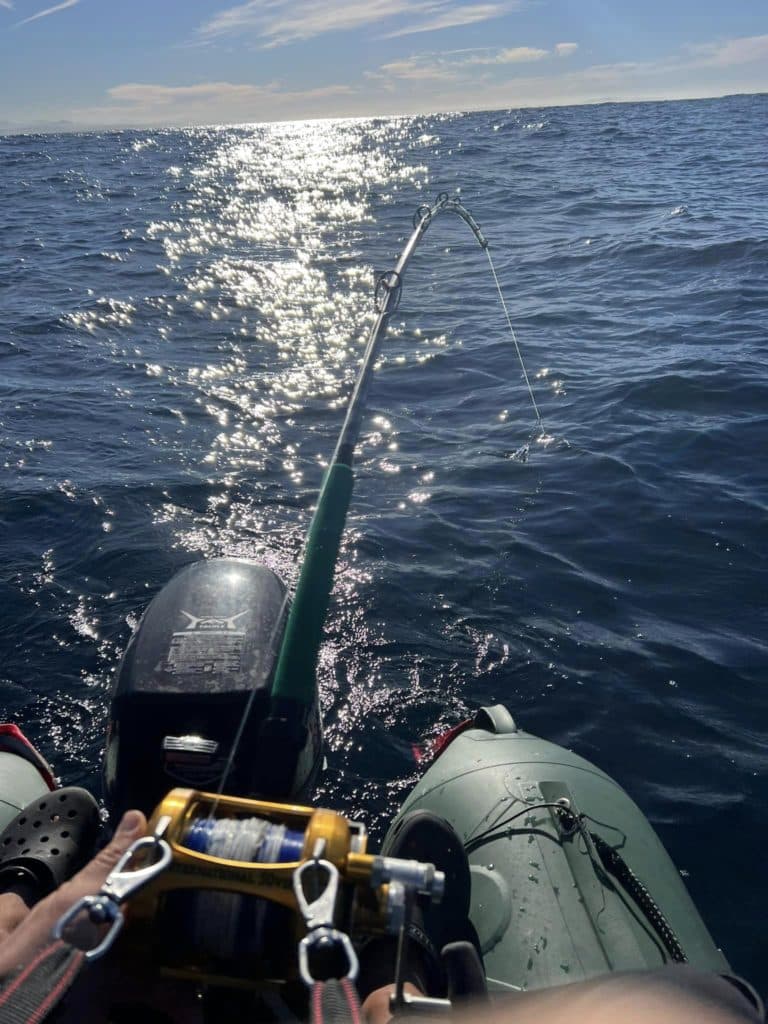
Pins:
x: 250, y: 894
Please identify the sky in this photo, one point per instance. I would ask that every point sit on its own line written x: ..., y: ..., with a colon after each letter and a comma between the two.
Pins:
x: 112, y: 63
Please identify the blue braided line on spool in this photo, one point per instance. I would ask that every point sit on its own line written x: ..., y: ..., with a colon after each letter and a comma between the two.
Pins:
x: 200, y: 834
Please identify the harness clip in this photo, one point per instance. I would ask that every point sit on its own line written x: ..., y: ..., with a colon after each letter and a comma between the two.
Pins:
x: 319, y: 917
x: 121, y: 884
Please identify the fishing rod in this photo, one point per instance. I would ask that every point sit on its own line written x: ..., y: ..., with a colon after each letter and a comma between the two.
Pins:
x: 293, y: 693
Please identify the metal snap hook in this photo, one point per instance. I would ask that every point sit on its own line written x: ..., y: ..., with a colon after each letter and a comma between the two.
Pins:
x: 120, y: 885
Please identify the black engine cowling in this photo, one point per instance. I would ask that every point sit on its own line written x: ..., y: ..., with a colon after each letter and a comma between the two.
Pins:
x: 207, y: 641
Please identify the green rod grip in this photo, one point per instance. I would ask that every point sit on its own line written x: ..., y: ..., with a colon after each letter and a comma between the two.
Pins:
x: 296, y: 665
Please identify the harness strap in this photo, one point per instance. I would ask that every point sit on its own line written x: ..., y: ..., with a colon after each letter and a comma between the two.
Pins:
x: 29, y: 996
x: 333, y: 1002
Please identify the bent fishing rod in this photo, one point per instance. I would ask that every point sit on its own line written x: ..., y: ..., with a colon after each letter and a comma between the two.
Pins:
x: 294, y: 690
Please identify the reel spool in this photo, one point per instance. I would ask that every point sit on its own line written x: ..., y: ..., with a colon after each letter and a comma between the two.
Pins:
x: 228, y: 924
x: 225, y: 911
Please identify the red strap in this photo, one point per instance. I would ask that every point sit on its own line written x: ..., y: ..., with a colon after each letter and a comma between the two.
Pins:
x: 434, y: 748
x: 30, y: 996
x: 335, y: 1002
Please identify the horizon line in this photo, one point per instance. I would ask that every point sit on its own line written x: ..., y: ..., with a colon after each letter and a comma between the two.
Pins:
x: 18, y: 129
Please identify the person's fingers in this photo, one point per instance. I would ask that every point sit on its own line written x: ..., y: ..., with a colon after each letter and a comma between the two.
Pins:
x: 90, y: 879
x: 35, y: 930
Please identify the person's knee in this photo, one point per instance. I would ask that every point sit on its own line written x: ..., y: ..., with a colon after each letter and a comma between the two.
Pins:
x: 376, y: 1004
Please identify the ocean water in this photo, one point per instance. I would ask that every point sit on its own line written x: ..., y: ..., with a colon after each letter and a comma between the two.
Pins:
x: 181, y: 316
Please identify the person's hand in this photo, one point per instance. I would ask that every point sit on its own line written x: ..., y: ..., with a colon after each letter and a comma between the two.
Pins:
x: 31, y: 930
x: 106, y: 981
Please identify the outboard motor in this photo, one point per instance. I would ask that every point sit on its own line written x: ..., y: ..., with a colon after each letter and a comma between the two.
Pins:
x: 207, y: 641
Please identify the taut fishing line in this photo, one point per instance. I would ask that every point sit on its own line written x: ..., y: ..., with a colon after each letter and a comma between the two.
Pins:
x: 514, y: 339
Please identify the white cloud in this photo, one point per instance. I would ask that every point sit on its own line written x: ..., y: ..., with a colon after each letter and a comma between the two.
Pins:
x: 49, y: 10
x: 207, y: 93
x: 277, y: 22
x: 150, y: 104
x: 732, y: 52
x: 515, y: 55
x: 6, y: 4
x: 451, y: 18
x: 165, y: 95
x: 415, y: 69
x: 565, y: 49
x: 723, y: 55
x: 456, y: 64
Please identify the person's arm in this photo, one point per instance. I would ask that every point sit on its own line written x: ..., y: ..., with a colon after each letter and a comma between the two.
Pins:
x: 673, y: 995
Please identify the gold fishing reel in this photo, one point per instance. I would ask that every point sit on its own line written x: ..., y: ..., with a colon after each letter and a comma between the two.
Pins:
x: 248, y: 882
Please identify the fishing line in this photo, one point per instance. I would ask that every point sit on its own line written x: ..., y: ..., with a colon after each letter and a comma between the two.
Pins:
x: 514, y: 338
x: 248, y: 709
x: 444, y: 202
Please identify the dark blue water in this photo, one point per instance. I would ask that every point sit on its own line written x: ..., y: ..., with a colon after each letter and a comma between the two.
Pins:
x: 180, y: 318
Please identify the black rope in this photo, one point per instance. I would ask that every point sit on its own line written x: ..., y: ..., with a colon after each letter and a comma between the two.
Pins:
x: 492, y: 831
x: 615, y: 865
